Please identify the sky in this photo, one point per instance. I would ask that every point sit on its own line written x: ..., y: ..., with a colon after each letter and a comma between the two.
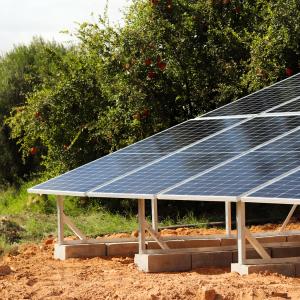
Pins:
x: 20, y: 20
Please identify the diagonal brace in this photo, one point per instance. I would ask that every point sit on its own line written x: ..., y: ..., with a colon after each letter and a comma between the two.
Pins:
x: 288, y: 218
x: 156, y: 236
x: 256, y: 245
x: 73, y: 227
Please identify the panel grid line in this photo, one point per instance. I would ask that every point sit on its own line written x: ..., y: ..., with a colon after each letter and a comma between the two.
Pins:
x: 281, y: 104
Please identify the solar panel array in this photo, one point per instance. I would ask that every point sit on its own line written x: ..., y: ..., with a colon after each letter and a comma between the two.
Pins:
x: 200, y: 157
x: 79, y: 181
x: 223, y: 155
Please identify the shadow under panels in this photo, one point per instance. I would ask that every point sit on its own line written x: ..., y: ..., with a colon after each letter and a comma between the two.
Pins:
x: 204, y: 157
x: 81, y: 180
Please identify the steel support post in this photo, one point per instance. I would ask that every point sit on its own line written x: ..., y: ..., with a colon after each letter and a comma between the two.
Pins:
x: 241, y: 242
x: 141, y: 216
x: 154, y: 214
x: 228, y: 217
x: 60, y: 219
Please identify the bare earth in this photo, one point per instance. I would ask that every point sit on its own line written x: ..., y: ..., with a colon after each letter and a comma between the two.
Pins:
x: 36, y: 275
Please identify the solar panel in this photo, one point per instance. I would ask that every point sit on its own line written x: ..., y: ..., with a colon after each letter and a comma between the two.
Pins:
x: 238, y: 176
x: 147, y: 182
x: 179, y: 136
x: 199, y: 157
x: 89, y: 176
x: 214, y: 146
x: 247, y: 135
x: 289, y: 143
x: 285, y: 188
x: 258, y: 102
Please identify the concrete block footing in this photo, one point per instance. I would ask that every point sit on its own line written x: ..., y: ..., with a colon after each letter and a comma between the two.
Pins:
x: 64, y: 252
x: 272, y: 239
x: 181, y: 244
x: 219, y: 259
x: 122, y: 249
x: 183, y: 260
x: 293, y: 238
x: 154, y: 263
x: 287, y: 269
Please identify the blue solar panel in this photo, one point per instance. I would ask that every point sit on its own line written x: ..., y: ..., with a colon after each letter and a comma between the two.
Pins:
x: 99, y: 171
x: 289, y: 143
x: 262, y: 100
x: 89, y: 176
x: 163, y: 174
x: 200, y: 157
x: 247, y: 135
x: 288, y: 188
x: 238, y: 176
x: 180, y: 136
x: 183, y: 151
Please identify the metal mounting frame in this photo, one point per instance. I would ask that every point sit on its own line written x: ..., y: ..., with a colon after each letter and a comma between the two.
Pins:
x: 244, y: 233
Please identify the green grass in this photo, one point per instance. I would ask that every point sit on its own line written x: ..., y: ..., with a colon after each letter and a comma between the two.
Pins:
x: 37, y: 217
x: 37, y: 226
x: 188, y: 219
x: 13, y: 201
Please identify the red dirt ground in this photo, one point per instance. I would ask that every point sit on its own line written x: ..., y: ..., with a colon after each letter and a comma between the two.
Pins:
x: 36, y: 275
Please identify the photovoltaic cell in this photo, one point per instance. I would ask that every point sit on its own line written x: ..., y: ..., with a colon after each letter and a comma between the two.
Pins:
x: 289, y: 143
x: 163, y: 174
x: 257, y: 102
x: 96, y: 173
x: 240, y: 175
x: 288, y: 188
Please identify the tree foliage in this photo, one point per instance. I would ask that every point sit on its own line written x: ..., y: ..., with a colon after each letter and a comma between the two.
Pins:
x: 172, y: 60
x: 21, y: 72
